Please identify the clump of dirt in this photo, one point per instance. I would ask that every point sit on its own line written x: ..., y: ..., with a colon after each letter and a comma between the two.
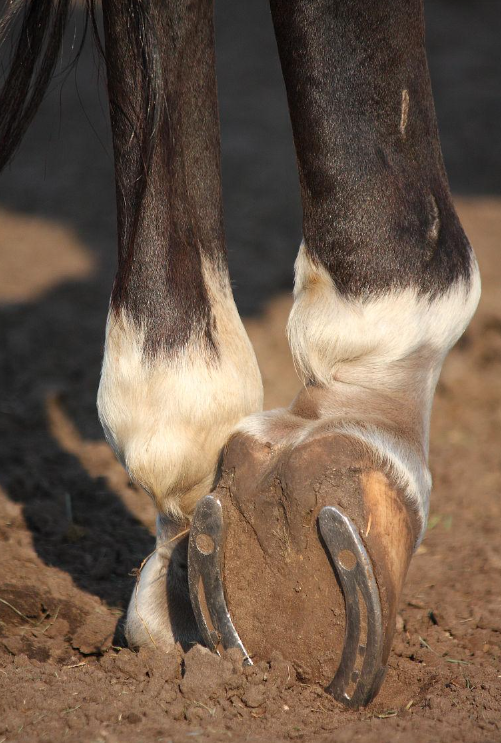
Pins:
x: 72, y: 530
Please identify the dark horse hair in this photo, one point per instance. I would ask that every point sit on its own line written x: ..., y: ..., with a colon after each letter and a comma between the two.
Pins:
x: 38, y: 28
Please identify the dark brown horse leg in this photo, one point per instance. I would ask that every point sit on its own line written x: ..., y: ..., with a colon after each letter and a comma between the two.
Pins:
x: 178, y: 370
x: 386, y: 282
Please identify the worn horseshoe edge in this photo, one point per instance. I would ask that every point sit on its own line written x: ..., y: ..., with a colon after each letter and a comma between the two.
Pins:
x: 357, y: 581
x: 204, y: 570
x: 339, y: 535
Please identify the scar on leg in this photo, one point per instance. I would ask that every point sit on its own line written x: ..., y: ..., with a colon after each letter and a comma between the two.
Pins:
x: 404, y: 111
x: 434, y: 230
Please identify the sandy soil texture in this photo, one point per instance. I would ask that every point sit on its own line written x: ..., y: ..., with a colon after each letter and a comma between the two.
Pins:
x: 73, y: 530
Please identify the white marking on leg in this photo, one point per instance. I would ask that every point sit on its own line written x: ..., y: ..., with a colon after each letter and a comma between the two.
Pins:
x: 168, y: 418
x: 148, y: 621
x: 279, y: 427
x: 367, y: 341
x: 378, y: 360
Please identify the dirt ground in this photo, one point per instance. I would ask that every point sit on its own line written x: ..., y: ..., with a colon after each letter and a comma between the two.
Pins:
x: 73, y: 530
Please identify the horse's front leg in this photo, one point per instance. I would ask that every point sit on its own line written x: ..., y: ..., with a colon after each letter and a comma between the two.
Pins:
x: 179, y: 371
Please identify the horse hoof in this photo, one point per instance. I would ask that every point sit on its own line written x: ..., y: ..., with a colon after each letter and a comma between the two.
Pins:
x: 306, y: 554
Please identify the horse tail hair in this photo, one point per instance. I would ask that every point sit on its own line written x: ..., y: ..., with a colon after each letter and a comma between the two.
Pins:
x: 36, y: 29
x: 41, y: 25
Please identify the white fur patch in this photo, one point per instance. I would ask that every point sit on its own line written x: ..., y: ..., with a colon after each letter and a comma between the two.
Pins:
x: 278, y: 427
x: 378, y: 361
x: 365, y: 341
x: 168, y: 418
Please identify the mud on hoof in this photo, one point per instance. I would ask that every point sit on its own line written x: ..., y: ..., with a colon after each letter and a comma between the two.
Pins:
x: 303, y: 550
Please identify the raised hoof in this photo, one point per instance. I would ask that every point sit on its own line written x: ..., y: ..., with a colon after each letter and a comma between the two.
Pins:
x: 315, y: 572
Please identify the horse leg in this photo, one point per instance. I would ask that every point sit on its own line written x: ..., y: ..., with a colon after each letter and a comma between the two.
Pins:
x: 386, y: 280
x: 385, y: 283
x: 178, y: 371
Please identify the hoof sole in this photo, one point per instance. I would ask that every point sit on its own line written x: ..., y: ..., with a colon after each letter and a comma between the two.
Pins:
x: 360, y: 672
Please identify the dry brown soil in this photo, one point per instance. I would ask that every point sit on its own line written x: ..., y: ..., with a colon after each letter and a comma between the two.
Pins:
x: 73, y: 529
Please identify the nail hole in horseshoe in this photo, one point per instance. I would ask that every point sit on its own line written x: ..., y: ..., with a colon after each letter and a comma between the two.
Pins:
x: 347, y: 559
x: 205, y: 544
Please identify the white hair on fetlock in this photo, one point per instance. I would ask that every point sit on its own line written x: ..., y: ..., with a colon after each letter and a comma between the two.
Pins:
x: 168, y: 417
